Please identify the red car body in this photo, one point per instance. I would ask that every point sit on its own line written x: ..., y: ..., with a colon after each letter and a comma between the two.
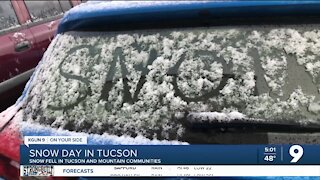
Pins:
x: 21, y: 48
x: 9, y: 145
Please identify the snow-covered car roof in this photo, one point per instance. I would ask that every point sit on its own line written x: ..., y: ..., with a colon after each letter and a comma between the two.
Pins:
x: 115, y: 13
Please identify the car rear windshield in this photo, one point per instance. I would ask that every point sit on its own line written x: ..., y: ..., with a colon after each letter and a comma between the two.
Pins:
x: 147, y: 81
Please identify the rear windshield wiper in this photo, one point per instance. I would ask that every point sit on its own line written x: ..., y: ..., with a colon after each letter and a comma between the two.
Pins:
x: 237, y: 122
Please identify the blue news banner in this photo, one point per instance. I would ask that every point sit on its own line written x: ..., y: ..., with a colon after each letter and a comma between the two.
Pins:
x: 169, y: 154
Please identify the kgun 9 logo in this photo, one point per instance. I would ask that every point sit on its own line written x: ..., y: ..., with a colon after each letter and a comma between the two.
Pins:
x: 296, y: 151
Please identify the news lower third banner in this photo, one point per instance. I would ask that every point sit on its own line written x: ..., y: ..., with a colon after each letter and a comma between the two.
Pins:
x: 73, y: 157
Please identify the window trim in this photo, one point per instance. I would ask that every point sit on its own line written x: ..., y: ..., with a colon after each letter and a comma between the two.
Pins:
x: 31, y: 24
x: 13, y: 29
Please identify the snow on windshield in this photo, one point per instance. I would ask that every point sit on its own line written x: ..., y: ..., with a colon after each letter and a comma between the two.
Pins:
x: 146, y: 82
